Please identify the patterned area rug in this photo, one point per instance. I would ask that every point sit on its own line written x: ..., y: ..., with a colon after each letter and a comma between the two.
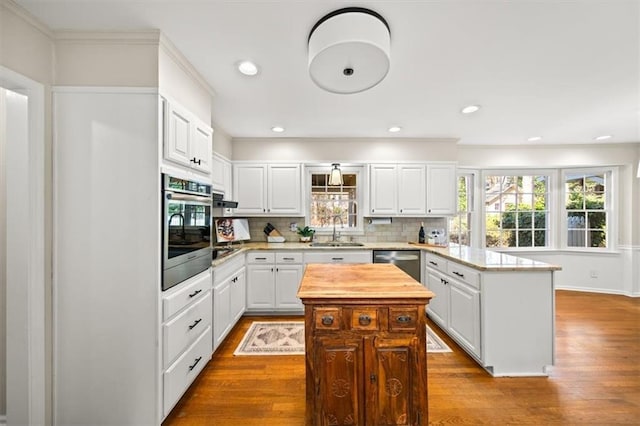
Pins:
x: 287, y: 338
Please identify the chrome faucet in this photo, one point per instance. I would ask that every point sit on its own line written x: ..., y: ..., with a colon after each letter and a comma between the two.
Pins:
x: 334, y: 226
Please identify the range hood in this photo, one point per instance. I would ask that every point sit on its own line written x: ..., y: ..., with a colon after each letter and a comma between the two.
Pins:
x: 220, y: 202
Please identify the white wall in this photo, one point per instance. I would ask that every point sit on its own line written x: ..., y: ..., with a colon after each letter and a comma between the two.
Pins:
x: 343, y: 150
x: 3, y: 257
x: 222, y: 142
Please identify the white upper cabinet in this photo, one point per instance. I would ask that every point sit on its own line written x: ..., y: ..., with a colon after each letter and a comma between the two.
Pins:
x: 267, y: 189
x: 397, y: 190
x: 221, y: 175
x: 441, y: 189
x: 187, y: 140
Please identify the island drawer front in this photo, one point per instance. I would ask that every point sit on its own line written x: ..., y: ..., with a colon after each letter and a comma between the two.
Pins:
x: 435, y: 262
x: 365, y: 318
x: 284, y: 258
x: 467, y: 275
x: 183, y: 294
x: 261, y: 257
x: 179, y: 376
x: 403, y: 318
x: 327, y: 318
x: 181, y: 331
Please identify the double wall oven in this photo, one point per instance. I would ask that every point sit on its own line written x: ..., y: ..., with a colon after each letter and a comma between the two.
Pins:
x: 186, y: 234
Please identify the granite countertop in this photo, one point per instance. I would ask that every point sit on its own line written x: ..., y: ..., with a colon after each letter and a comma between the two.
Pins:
x: 481, y: 259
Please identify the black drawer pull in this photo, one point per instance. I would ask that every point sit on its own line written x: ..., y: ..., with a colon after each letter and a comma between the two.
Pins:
x: 458, y: 274
x: 404, y: 319
x: 364, y: 319
x: 443, y: 281
x: 195, y: 293
x: 195, y: 323
x: 287, y: 258
x: 261, y: 258
x: 191, y: 367
x: 327, y: 320
x: 433, y: 263
x: 337, y: 258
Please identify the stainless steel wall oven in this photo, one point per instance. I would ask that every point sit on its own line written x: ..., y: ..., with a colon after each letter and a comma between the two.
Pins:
x: 186, y: 234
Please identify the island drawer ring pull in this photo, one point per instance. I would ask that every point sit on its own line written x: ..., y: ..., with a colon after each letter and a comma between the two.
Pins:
x: 364, y: 319
x: 404, y: 319
x: 327, y: 320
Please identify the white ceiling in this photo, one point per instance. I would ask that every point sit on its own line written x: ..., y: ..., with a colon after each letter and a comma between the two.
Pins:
x: 565, y: 70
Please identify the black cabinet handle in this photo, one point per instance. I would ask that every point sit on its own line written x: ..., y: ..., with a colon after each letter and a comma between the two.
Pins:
x: 433, y: 263
x: 327, y: 320
x: 373, y: 378
x: 195, y: 323
x: 458, y: 274
x: 287, y: 258
x: 404, y: 319
x: 195, y: 293
x: 337, y: 258
x: 364, y: 319
x: 191, y: 367
x: 443, y: 281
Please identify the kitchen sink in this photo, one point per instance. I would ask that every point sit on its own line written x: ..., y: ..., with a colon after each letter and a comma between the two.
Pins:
x: 336, y: 244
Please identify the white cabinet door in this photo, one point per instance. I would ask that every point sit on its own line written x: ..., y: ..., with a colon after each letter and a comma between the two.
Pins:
x: 238, y: 296
x: 284, y: 189
x: 412, y: 191
x: 260, y: 287
x: 383, y: 180
x: 464, y: 315
x: 221, y: 312
x: 249, y: 186
x: 178, y: 139
x: 288, y: 279
x: 438, y: 307
x: 441, y: 189
x: 217, y: 173
x: 201, y: 148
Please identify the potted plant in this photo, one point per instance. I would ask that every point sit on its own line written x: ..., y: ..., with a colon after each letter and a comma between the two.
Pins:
x: 306, y: 234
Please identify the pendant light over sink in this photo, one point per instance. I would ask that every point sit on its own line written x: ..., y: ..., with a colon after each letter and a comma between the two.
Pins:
x: 349, y: 50
x: 335, y: 177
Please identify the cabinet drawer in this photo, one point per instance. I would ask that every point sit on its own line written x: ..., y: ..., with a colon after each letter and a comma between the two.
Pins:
x: 283, y: 258
x: 185, y: 328
x: 403, y: 319
x: 435, y: 262
x: 261, y: 257
x: 227, y: 269
x: 327, y: 318
x: 465, y: 274
x: 365, y: 319
x: 338, y: 256
x: 179, y: 376
x: 181, y: 295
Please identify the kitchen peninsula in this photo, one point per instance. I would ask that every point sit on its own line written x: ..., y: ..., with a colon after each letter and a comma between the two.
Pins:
x: 365, y: 343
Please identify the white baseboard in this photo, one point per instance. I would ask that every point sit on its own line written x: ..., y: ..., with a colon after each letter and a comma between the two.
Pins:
x: 598, y: 290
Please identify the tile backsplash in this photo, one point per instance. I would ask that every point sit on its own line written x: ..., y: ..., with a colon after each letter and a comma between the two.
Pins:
x: 400, y: 229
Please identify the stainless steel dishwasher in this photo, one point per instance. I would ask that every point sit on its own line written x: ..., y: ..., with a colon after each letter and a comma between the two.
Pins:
x: 407, y: 260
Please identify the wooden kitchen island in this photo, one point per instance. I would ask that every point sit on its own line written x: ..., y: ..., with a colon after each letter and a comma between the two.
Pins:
x: 365, y: 337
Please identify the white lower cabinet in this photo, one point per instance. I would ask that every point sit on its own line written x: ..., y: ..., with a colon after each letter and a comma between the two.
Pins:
x: 186, y: 335
x: 229, y: 293
x: 504, y: 319
x: 273, y: 279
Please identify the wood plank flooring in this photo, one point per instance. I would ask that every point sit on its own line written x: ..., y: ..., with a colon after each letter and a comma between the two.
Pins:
x: 596, y: 379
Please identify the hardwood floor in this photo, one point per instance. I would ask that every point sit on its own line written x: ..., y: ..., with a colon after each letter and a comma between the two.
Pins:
x: 596, y: 379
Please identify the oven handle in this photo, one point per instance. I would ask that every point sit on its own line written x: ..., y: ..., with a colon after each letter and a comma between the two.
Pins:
x: 178, y: 196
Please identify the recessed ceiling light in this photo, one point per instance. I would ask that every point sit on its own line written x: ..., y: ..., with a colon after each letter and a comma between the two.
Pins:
x: 470, y: 109
x: 277, y: 129
x: 247, y: 68
x: 394, y: 129
x: 603, y: 137
x: 534, y: 138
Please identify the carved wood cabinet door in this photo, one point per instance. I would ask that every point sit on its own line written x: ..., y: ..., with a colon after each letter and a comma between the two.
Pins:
x: 339, y: 388
x: 392, y: 386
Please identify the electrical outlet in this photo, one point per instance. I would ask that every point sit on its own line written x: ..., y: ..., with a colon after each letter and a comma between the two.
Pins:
x: 593, y: 274
x: 293, y: 226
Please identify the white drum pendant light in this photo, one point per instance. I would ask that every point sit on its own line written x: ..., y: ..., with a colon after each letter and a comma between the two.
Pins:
x: 349, y: 50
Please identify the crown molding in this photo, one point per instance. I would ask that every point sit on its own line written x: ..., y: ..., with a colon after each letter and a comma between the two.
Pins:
x: 108, y: 37
x: 26, y: 16
x: 177, y: 56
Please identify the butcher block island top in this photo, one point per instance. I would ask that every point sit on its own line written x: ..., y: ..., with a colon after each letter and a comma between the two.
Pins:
x: 365, y: 345
x: 355, y: 282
